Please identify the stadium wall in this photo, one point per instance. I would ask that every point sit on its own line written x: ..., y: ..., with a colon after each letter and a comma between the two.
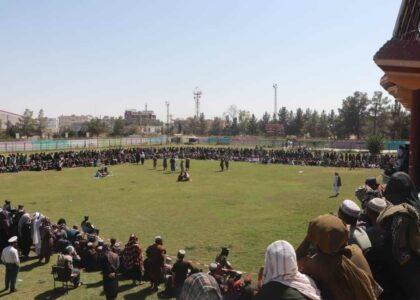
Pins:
x: 48, y: 145
x: 246, y: 141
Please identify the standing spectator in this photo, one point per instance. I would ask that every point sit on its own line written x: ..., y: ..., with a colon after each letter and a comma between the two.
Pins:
x: 155, y: 262
x: 110, y: 263
x: 142, y: 157
x: 180, y: 271
x: 165, y: 163
x: 47, y: 240
x: 133, y: 259
x: 187, y: 164
x: 36, y: 236
x: 24, y: 234
x: 336, y: 184
x: 10, y: 257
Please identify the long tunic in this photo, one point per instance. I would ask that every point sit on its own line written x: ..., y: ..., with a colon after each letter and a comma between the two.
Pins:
x: 155, y: 253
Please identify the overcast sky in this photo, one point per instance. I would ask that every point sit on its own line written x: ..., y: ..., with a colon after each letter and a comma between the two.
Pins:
x: 101, y: 57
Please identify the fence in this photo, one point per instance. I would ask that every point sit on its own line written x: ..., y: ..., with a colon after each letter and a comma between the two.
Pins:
x: 250, y: 141
x: 47, y: 145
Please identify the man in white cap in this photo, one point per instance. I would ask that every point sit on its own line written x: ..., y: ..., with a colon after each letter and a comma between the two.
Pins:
x: 336, y: 184
x: 10, y: 257
x: 180, y: 271
x: 373, y: 208
x: 349, y: 213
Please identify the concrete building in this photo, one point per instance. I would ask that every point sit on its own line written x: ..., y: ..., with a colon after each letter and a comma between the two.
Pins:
x: 6, y: 116
x: 72, y: 122
x: 52, y: 125
x: 144, y: 117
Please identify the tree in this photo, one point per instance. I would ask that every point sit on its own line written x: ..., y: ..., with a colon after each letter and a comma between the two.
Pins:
x: 235, y: 127
x: 216, y: 127
x: 353, y: 113
x: 378, y: 111
x: 232, y: 112
x: 11, y: 129
x: 41, y: 123
x: 227, y: 130
x: 26, y: 124
x: 284, y: 119
x: 297, y: 123
x: 375, y: 144
x: 265, y: 120
x: 243, y: 120
x: 118, y: 127
x: 95, y: 126
x: 323, y: 126
x: 399, y: 122
x: 202, y: 125
x: 252, y: 125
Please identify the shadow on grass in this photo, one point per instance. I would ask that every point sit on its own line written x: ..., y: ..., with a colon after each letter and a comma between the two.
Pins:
x: 93, y: 284
x: 51, y: 294
x: 140, y: 295
x: 30, y: 267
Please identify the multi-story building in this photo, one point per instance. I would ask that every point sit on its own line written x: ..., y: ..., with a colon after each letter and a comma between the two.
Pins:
x: 52, y: 125
x: 6, y: 117
x: 73, y: 122
x: 144, y: 117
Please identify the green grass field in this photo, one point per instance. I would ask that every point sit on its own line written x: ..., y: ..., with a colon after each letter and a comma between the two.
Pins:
x: 245, y: 209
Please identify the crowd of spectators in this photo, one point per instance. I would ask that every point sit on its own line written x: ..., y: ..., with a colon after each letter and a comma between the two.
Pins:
x: 92, y: 158
x: 371, y: 251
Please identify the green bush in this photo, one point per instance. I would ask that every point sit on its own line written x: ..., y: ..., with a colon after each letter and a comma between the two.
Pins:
x: 375, y: 144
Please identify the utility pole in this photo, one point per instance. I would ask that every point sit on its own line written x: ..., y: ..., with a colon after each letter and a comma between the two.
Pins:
x: 275, y: 100
x: 167, y: 113
x: 197, y: 97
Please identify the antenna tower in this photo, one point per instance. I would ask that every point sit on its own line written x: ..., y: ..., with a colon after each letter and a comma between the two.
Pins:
x: 197, y: 97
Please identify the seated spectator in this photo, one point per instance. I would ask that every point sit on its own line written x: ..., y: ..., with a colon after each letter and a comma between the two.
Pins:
x: 349, y: 213
x: 222, y: 259
x: 234, y: 286
x: 184, y: 176
x: 377, y: 256
x: 375, y: 233
x: 66, y: 260
x: 216, y: 271
x: 200, y: 286
x: 341, y: 273
x: 73, y: 233
x: 280, y: 277
x: 401, y: 222
x: 371, y: 189
x: 76, y: 258
x: 88, y: 228
x: 247, y: 290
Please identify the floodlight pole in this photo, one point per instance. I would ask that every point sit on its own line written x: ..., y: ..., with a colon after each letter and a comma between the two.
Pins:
x: 275, y: 100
